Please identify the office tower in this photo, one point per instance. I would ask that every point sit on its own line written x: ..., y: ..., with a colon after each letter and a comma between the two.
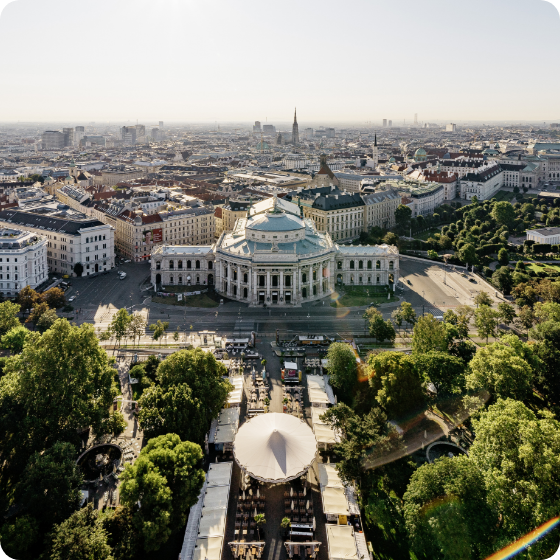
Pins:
x: 79, y: 133
x: 308, y: 132
x: 257, y: 127
x: 155, y: 134
x: 161, y: 125
x: 384, y: 122
x: 451, y: 127
x: 295, y: 131
x: 128, y: 135
x: 390, y: 122
x: 140, y: 130
x: 68, y: 136
x: 415, y: 118
x: 52, y: 140
x: 269, y: 129
x: 330, y: 132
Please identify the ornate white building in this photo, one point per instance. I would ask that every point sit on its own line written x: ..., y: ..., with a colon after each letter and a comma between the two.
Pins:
x: 275, y: 257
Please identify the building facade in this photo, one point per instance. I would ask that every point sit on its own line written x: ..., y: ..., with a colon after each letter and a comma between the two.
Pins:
x: 275, y: 257
x: 23, y: 260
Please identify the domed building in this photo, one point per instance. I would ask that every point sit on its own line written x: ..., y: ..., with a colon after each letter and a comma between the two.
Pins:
x: 275, y: 257
x: 420, y: 155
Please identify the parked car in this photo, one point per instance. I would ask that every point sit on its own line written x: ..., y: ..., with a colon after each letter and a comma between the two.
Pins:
x: 473, y: 281
x: 122, y: 276
x: 71, y: 299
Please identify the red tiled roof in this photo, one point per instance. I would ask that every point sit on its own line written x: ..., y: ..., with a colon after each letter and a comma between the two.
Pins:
x: 218, y: 212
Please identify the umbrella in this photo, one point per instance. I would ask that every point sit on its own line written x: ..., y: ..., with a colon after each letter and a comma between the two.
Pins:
x: 250, y: 491
x: 305, y: 490
x: 292, y: 505
x: 291, y: 491
x: 307, y: 505
x: 243, y: 494
x: 255, y: 512
x: 258, y: 493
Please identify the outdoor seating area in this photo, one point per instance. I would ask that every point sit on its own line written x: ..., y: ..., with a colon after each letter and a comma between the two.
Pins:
x: 258, y: 393
x: 250, y: 503
x: 308, y: 549
x: 292, y: 400
x: 298, y: 502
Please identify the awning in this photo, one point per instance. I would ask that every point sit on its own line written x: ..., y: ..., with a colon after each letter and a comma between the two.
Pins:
x: 212, y: 523
x: 208, y: 549
x: 342, y: 545
x: 216, y: 498
x: 334, y: 501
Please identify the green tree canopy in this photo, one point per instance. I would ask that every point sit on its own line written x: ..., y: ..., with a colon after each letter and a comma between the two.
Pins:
x: 446, y: 511
x: 482, y: 298
x: 396, y: 382
x: 54, y: 297
x: 501, y: 370
x: 27, y: 298
x: 506, y: 313
x: 166, y: 480
x: 429, y: 334
x: 503, y: 256
x: 503, y: 212
x: 519, y: 456
x: 486, y: 321
x: 8, y: 316
x: 343, y: 370
x: 81, y: 537
x: 503, y: 279
x: 402, y: 217
x: 467, y: 254
x: 120, y: 325
x: 46, y: 320
x: 189, y: 392
x: 15, y: 338
x: 379, y: 328
x: 445, y: 371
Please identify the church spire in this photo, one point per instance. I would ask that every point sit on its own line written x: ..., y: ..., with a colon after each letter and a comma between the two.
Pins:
x: 375, y: 140
x: 295, y: 115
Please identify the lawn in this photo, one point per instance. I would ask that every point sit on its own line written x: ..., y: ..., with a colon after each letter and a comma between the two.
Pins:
x: 199, y: 300
x: 504, y: 195
x: 426, y: 234
x: 357, y: 296
x: 542, y: 267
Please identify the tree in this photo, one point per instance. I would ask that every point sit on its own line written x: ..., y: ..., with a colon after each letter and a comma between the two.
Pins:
x: 402, y: 217
x: 121, y: 535
x: 120, y: 325
x: 517, y: 452
x: 467, y: 254
x: 446, y: 511
x: 482, y: 298
x: 500, y: 369
x: 486, y: 321
x: 57, y: 386
x: 503, y: 212
x: 343, y: 371
x: 19, y: 537
x: 78, y: 269
x: 260, y: 520
x: 407, y: 313
x: 38, y: 310
x: 506, y: 313
x: 14, y: 339
x: 446, y: 372
x: 503, y: 256
x: 115, y: 424
x: 503, y: 279
x: 166, y: 480
x: 396, y: 382
x: 391, y: 238
x: 379, y: 328
x: 27, y: 298
x: 525, y: 318
x: 432, y: 254
x: 54, y: 298
x: 429, y: 334
x: 361, y: 436
x: 46, y: 320
x: 547, y: 311
x: 159, y: 329
x: 50, y: 485
x: 8, y: 319
x: 81, y: 537
x: 137, y: 326
x: 189, y: 392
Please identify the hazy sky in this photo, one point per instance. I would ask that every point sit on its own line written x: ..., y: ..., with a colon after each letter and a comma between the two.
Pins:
x: 243, y: 60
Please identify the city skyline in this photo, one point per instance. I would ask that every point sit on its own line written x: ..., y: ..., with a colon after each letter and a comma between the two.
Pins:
x: 375, y: 60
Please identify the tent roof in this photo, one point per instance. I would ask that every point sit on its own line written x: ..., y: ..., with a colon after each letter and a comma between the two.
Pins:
x: 225, y: 433
x: 324, y: 433
x: 216, y: 498
x: 212, y: 523
x: 328, y: 475
x: 334, y: 501
x: 275, y: 447
x: 208, y: 549
x: 219, y: 474
x: 342, y: 545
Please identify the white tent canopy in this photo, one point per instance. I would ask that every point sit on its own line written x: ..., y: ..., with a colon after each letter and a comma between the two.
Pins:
x: 275, y: 447
x: 342, y: 545
x: 208, y: 549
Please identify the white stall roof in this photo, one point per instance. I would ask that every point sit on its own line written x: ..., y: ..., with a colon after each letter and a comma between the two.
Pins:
x: 216, y: 498
x: 315, y: 382
x: 212, y: 523
x: 228, y: 416
x: 334, y: 501
x: 290, y: 365
x: 316, y: 413
x: 219, y: 474
x: 318, y: 396
x: 324, y: 433
x: 328, y: 476
x: 208, y: 549
x: 225, y: 433
x: 237, y: 393
x: 342, y: 545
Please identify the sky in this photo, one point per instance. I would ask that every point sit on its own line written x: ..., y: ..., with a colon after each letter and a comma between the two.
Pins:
x: 357, y: 61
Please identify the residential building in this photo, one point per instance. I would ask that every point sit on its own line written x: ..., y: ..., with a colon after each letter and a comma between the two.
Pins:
x: 549, y: 235
x: 71, y: 240
x: 232, y: 211
x: 483, y: 184
x: 23, y: 260
x: 218, y: 222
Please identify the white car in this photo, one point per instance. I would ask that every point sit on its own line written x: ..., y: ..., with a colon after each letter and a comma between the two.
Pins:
x: 123, y: 275
x: 127, y: 261
x: 72, y: 298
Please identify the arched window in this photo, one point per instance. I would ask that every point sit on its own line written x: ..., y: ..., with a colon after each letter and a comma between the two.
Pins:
x: 339, y: 265
x: 188, y: 264
x: 314, y: 290
x: 210, y: 265
x: 197, y: 264
x: 180, y: 279
x: 352, y: 279
x: 304, y: 278
x: 377, y: 265
x: 304, y: 293
x: 361, y: 265
x: 369, y: 265
x: 245, y: 293
x: 158, y: 265
x: 245, y: 279
x: 226, y: 271
x: 369, y: 279
x: 360, y: 278
x: 171, y: 265
x: 180, y: 264
x: 390, y: 265
x: 352, y: 265
x: 171, y: 279
x: 378, y: 279
x: 314, y: 275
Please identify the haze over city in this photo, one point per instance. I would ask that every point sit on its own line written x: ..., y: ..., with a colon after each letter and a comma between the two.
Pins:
x: 358, y: 61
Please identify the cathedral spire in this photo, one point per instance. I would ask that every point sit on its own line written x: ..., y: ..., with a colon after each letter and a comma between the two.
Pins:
x: 375, y: 140
x: 295, y: 116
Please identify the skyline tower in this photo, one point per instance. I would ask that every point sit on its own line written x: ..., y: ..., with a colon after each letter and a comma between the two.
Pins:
x: 295, y: 130
x: 375, y: 152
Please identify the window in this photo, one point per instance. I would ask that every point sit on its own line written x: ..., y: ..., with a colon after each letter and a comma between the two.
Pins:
x: 339, y: 265
x: 390, y: 265
x: 304, y: 278
x: 361, y: 265
x: 378, y: 265
x: 369, y: 265
x: 352, y: 265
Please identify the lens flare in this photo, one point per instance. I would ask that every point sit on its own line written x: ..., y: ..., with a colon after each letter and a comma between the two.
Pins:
x: 521, y: 544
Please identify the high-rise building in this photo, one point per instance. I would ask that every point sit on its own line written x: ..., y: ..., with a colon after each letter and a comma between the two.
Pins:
x: 295, y: 131
x: 79, y: 133
x: 308, y: 133
x: 269, y: 129
x: 330, y: 132
x: 155, y: 134
x: 161, y: 125
x: 451, y: 127
x: 52, y: 140
x: 415, y: 118
x: 375, y: 152
x: 140, y: 130
x: 257, y: 127
x: 68, y: 136
x: 128, y: 135
x: 390, y: 122
x: 384, y: 122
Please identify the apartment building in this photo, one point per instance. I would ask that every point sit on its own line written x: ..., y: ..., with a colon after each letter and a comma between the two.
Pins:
x: 70, y: 240
x: 232, y: 211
